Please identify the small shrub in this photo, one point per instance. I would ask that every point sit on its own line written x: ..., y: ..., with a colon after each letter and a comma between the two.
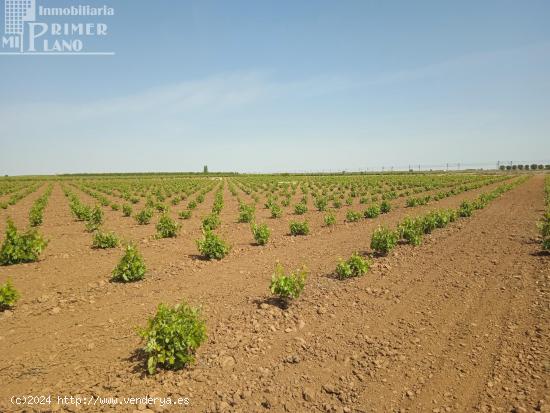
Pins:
x: 115, y: 207
x: 211, y: 222
x: 131, y: 266
x: 167, y: 227
x: 8, y: 295
x: 270, y: 201
x: 429, y: 222
x: 442, y: 218
x: 353, y: 216
x: 95, y: 219
x: 144, y: 216
x: 20, y: 248
x: 321, y: 203
x: 185, y: 214
x: 37, y: 210
x: 411, y: 231
x: 127, y: 210
x: 173, y: 336
x: 299, y: 228
x: 288, y: 286
x: 276, y: 211
x: 300, y: 208
x: 384, y: 240
x: 385, y: 207
x: 355, y: 266
x: 372, y: 212
x: 466, y: 209
x: 80, y: 211
x: 212, y: 247
x: 330, y: 219
x: 544, y: 226
x: 412, y: 202
x: 105, y: 240
x: 246, y: 213
x: 218, y: 205
x: 261, y: 233
x: 162, y: 208
x: 452, y: 214
x: 35, y: 216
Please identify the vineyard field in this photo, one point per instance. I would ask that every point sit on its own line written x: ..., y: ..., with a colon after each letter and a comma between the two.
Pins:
x: 331, y: 293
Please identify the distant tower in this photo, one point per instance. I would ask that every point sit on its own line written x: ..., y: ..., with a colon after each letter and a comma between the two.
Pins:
x: 205, y: 169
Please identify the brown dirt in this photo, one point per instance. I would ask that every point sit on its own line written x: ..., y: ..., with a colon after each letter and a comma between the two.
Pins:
x: 459, y: 323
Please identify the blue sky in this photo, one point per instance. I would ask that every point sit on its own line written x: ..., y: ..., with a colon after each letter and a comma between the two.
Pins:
x: 285, y: 85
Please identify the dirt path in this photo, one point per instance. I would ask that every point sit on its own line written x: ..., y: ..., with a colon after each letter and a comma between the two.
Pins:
x: 459, y: 323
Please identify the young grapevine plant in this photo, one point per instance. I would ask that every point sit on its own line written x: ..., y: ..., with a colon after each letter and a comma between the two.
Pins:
x: 212, y: 247
x: 299, y: 228
x: 131, y: 266
x: 384, y: 240
x: 246, y: 212
x: 372, y: 212
x: 300, y: 208
x: 276, y: 211
x: 95, y: 219
x: 8, y: 295
x: 144, y: 216
x: 353, y: 216
x: 104, y: 240
x: 185, y: 214
x: 288, y: 286
x: 127, y: 210
x: 354, y: 266
x: 330, y: 219
x: 20, y: 248
x: 172, y: 337
x: 261, y: 233
x: 167, y: 227
x: 211, y: 222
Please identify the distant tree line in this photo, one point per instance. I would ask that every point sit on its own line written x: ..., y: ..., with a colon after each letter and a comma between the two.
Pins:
x: 532, y: 167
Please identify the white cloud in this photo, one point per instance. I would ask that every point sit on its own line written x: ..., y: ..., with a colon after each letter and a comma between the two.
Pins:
x: 212, y: 95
